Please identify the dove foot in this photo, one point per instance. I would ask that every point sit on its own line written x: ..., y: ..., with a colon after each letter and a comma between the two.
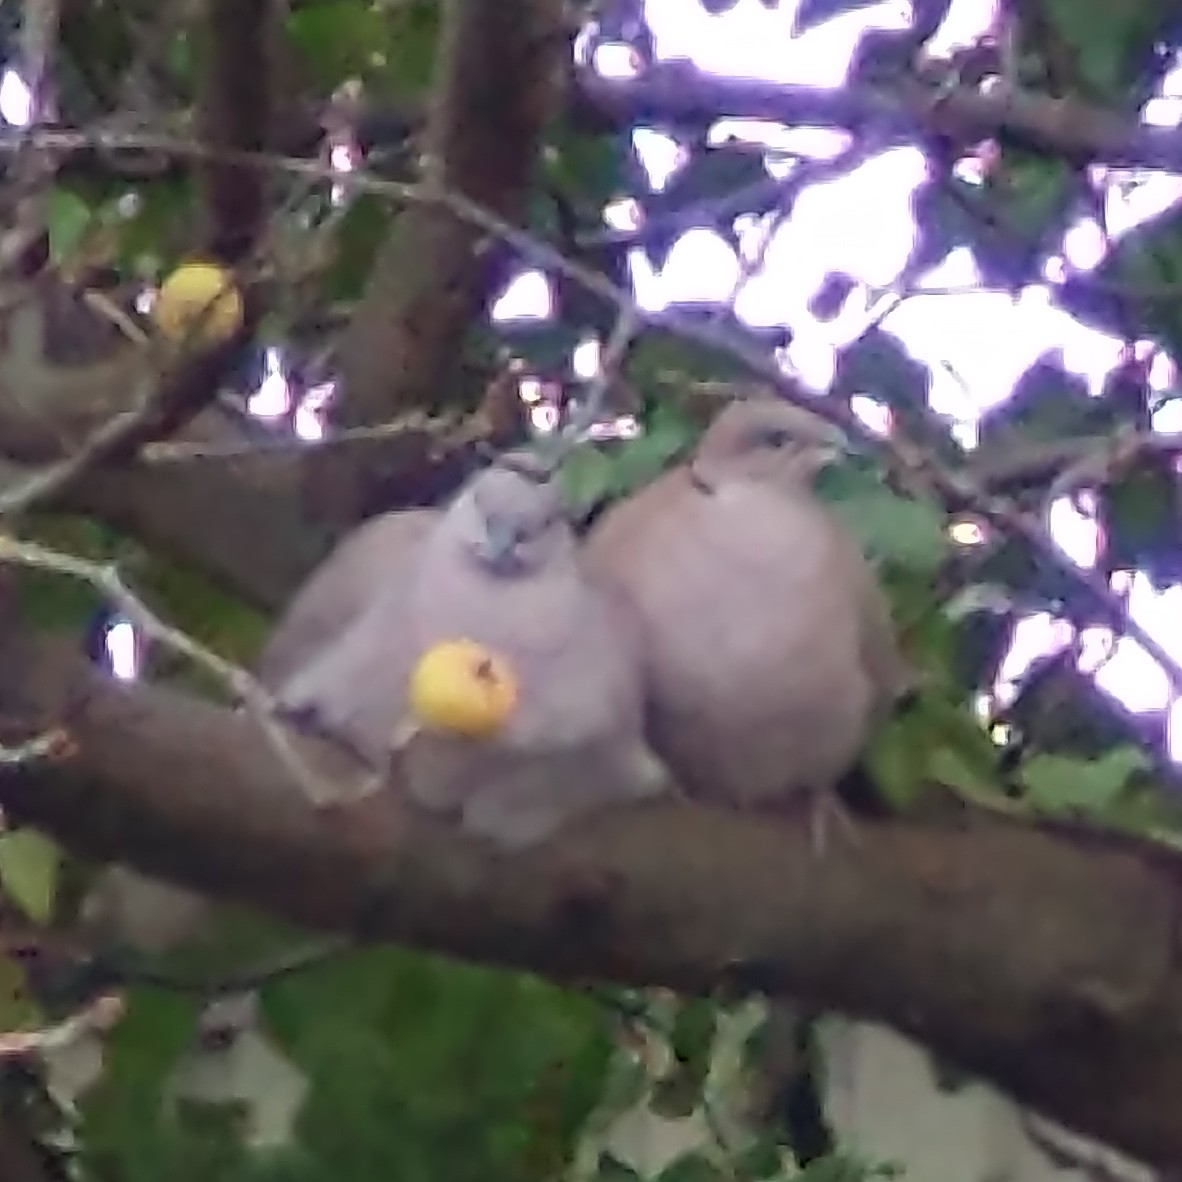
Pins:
x: 308, y: 720
x: 827, y: 813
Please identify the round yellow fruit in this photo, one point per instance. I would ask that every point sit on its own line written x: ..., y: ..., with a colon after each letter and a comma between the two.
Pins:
x: 462, y: 687
x: 198, y: 303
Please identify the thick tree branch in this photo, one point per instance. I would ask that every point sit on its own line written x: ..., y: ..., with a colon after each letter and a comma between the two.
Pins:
x: 496, y: 88
x: 234, y: 112
x: 243, y: 518
x: 1044, y: 961
x: 238, y: 509
x: 676, y: 94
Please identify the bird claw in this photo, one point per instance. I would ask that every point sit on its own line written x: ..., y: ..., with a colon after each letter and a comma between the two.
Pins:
x: 827, y: 813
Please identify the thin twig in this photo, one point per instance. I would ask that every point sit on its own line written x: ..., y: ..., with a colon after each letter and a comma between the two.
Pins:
x: 283, y: 965
x: 450, y: 428
x: 1070, y: 464
x: 107, y: 439
x: 960, y: 488
x: 48, y: 745
x: 99, y: 1016
x: 628, y: 324
x: 260, y: 705
x: 33, y: 170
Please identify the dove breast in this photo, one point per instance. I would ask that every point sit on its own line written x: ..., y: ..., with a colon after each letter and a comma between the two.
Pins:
x: 751, y: 633
x: 377, y: 554
x: 576, y: 672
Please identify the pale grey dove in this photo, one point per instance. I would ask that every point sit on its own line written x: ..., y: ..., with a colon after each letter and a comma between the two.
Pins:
x: 770, y: 649
x: 131, y: 909
x: 375, y: 556
x: 500, y: 567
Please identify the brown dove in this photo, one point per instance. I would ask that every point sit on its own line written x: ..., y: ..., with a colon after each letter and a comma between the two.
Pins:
x: 500, y: 567
x: 769, y: 647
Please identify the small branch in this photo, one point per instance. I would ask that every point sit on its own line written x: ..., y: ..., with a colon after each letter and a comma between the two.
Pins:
x: 628, y: 325
x: 447, y: 429
x: 1070, y: 463
x: 28, y: 183
x: 241, y: 685
x: 496, y: 88
x: 673, y: 94
x: 38, y: 42
x: 286, y: 964
x: 51, y: 744
x: 57, y: 478
x: 101, y: 1015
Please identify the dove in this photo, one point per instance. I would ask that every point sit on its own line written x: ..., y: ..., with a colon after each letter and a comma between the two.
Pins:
x: 501, y: 568
x: 769, y: 648
x: 370, y: 559
x: 128, y: 909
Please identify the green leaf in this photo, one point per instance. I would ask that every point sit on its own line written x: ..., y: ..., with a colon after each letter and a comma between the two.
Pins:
x: 660, y: 364
x: 123, y: 1114
x: 1033, y: 191
x: 691, y: 1167
x: 611, y: 1169
x: 694, y: 1028
x: 910, y: 533
x: 18, y: 1007
x: 587, y: 476
x: 1107, y: 43
x: 589, y: 168
x: 679, y: 1092
x: 959, y: 773
x: 937, y: 741
x: 420, y: 1067
x: 67, y: 218
x: 639, y: 460
x: 362, y: 229
x: 29, y: 867
x: 1142, y: 519
x: 199, y: 607
x: 894, y: 762
x: 624, y: 1085
x: 765, y: 1159
x: 1061, y: 783
x: 391, y: 46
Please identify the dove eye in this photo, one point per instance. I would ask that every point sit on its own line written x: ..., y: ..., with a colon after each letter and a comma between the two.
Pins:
x: 775, y: 437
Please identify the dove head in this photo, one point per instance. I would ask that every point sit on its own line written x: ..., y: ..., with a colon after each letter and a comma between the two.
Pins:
x: 769, y: 440
x: 512, y: 518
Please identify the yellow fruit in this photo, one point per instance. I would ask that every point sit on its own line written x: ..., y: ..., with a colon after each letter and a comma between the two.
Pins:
x: 198, y: 303
x: 463, y: 687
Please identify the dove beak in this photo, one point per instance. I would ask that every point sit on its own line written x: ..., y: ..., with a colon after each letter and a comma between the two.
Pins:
x: 499, y: 548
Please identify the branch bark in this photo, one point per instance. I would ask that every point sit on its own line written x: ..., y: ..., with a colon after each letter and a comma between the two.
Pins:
x: 247, y: 521
x: 1043, y: 960
x: 679, y: 94
x: 497, y: 86
x: 235, y: 113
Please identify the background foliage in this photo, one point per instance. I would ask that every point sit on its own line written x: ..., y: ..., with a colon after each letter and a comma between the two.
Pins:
x: 416, y: 1067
